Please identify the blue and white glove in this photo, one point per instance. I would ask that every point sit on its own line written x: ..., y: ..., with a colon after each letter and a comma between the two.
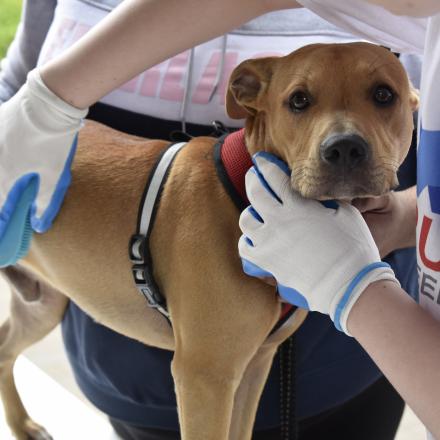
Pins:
x: 38, y: 134
x: 322, y: 258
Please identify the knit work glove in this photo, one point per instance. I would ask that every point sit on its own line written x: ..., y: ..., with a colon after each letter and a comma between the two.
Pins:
x: 322, y: 258
x: 37, y: 143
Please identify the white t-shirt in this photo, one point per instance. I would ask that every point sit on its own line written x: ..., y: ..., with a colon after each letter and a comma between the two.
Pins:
x: 428, y: 227
x: 374, y: 23
x: 159, y: 91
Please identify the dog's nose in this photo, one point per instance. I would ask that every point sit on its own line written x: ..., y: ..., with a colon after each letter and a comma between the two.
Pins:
x: 344, y: 151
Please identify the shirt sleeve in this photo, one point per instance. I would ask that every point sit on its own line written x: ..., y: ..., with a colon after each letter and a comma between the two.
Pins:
x: 373, y: 23
x: 23, y: 52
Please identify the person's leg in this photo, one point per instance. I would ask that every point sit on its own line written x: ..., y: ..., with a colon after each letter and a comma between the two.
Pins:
x: 374, y: 414
x: 132, y: 432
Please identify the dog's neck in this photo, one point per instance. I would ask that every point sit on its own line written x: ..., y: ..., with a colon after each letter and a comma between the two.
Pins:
x: 257, y: 137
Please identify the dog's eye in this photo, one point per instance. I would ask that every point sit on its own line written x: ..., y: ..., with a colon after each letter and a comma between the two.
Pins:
x: 299, y: 101
x: 383, y: 95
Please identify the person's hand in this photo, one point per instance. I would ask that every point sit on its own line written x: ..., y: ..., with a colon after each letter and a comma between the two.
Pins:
x: 392, y: 219
x: 37, y: 143
x: 322, y: 258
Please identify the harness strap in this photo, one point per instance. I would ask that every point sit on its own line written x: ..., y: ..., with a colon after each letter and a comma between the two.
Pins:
x: 232, y: 160
x: 139, y: 249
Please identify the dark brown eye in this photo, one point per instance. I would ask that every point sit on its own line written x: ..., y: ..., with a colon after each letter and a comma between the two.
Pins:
x: 299, y: 101
x: 383, y: 95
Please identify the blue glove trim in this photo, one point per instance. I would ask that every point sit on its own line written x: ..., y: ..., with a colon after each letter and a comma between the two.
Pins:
x: 17, y: 216
x: 249, y: 241
x: 253, y: 270
x: 332, y: 204
x: 264, y: 184
x: 17, y: 235
x: 290, y: 295
x: 13, y: 198
x: 257, y: 217
x: 254, y: 214
x: 44, y: 223
x: 278, y: 162
x: 272, y: 158
x: 293, y: 297
x: 354, y: 282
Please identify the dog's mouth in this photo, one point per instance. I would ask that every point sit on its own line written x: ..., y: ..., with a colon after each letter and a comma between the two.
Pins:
x: 345, y: 167
x: 330, y: 186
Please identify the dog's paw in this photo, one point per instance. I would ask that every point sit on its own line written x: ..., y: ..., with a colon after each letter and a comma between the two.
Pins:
x: 32, y: 431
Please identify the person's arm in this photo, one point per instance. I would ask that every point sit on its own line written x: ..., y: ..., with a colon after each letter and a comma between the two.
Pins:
x: 39, y: 124
x: 325, y: 260
x: 404, y: 341
x: 392, y: 219
x: 139, y: 34
x: 24, y: 50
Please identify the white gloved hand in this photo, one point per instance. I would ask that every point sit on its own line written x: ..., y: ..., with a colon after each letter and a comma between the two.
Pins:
x: 322, y: 258
x: 37, y: 142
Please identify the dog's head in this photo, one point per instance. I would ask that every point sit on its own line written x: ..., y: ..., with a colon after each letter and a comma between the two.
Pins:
x: 340, y: 115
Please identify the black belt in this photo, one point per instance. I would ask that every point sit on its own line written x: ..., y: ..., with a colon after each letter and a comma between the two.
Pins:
x: 141, y: 125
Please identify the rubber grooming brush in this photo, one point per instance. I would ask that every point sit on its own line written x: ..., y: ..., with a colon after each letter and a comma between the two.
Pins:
x: 17, y: 237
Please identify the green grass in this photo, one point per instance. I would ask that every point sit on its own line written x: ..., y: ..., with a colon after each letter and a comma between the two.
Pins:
x: 9, y: 17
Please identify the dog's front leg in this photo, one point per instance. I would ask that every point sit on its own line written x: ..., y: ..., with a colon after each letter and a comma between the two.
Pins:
x: 248, y: 394
x: 207, y: 380
x: 205, y: 398
x: 217, y: 334
x: 36, y: 308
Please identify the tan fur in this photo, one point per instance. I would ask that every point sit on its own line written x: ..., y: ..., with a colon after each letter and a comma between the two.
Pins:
x: 221, y: 317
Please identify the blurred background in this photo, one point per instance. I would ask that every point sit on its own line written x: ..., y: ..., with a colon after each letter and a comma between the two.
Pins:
x: 9, y: 16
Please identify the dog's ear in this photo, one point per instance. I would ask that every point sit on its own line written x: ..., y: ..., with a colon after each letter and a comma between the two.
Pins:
x: 247, y: 84
x: 413, y: 98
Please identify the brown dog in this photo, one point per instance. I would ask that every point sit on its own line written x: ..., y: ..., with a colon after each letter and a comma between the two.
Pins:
x: 339, y: 115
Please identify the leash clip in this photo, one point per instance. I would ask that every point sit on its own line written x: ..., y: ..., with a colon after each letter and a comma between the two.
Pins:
x: 147, y: 287
x: 142, y: 276
x: 136, y: 248
x: 219, y: 129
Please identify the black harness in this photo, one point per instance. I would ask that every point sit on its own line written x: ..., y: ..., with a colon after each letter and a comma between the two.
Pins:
x: 139, y: 248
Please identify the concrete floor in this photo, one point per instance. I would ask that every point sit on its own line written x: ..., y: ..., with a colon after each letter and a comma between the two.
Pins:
x: 49, y: 355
